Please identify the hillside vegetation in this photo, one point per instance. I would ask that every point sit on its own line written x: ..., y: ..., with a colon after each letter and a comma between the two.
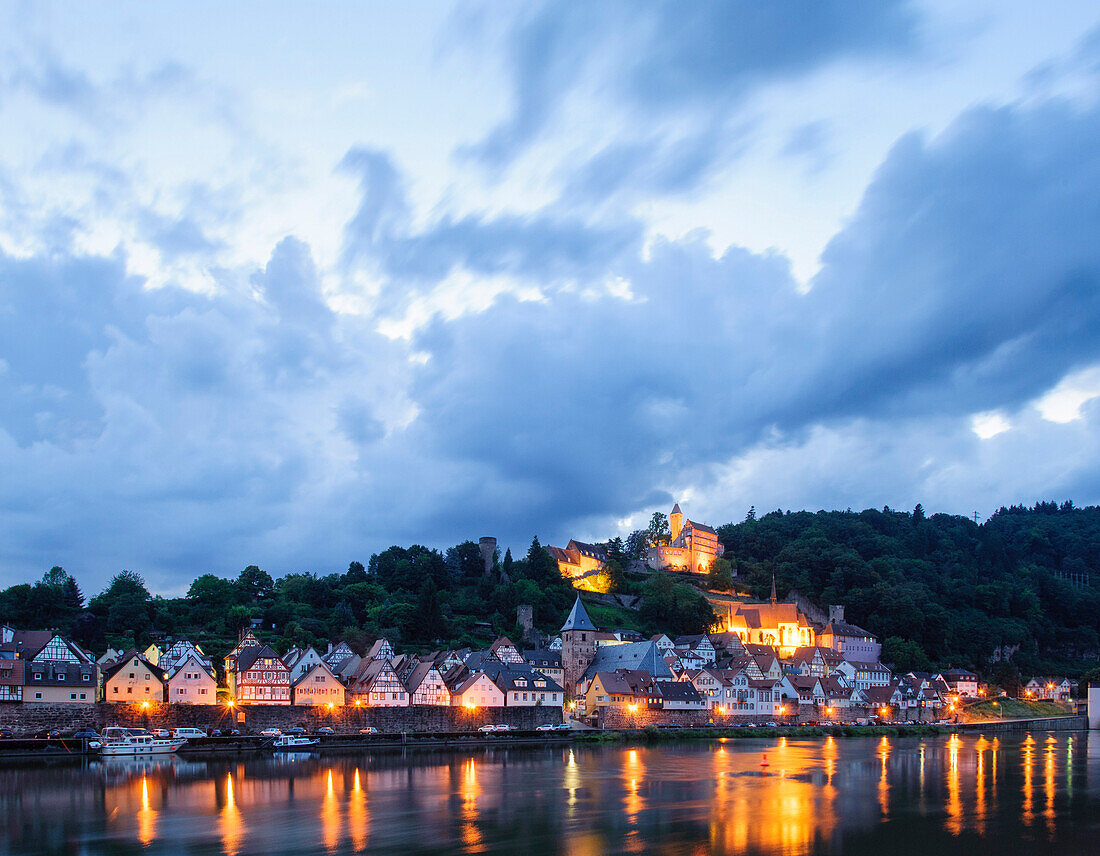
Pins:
x: 941, y: 590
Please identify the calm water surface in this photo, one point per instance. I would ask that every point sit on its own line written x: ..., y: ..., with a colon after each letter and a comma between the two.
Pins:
x: 935, y: 797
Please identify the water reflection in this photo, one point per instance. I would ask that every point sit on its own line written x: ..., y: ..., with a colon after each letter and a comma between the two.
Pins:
x: 953, y: 795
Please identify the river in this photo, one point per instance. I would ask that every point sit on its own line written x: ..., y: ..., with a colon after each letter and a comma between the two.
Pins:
x: 932, y: 796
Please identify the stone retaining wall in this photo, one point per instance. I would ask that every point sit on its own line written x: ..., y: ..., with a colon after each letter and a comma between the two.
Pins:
x: 27, y: 718
x: 1059, y: 723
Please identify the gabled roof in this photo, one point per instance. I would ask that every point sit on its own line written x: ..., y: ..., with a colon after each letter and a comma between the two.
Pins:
x: 626, y: 682
x: 312, y: 669
x: 191, y: 657
x: 249, y: 656
x: 677, y: 691
x: 376, y: 649
x: 699, y: 527
x: 644, y: 656
x: 543, y: 659
x: 126, y: 659
x: 843, y: 628
x: 578, y: 618
x: 419, y: 674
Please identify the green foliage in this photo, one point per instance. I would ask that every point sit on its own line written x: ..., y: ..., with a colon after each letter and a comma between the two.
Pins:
x: 675, y: 606
x: 957, y: 591
x: 720, y: 575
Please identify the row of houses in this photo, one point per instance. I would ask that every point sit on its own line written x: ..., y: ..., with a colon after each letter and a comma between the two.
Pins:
x: 735, y: 678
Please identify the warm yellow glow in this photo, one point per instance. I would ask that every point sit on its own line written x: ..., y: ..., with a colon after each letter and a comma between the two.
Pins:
x: 358, y: 702
x: 231, y: 826
x: 145, y: 705
x: 782, y: 709
x: 633, y: 708
x: 828, y: 710
x: 468, y: 703
x: 230, y: 703
x: 330, y: 706
x: 147, y: 817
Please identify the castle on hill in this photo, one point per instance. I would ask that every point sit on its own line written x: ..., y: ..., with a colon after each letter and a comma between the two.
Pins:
x: 691, y: 546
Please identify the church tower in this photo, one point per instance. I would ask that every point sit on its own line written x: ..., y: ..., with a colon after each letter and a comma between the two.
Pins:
x: 675, y: 522
x: 578, y: 645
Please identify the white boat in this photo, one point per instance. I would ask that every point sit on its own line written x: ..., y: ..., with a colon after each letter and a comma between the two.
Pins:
x: 136, y: 742
x: 289, y: 743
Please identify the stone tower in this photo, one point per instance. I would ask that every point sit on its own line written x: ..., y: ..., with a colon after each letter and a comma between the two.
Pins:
x: 488, y: 546
x: 578, y: 645
x: 675, y: 523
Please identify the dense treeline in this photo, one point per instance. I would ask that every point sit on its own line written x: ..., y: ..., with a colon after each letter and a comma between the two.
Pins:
x: 940, y: 589
x: 416, y: 596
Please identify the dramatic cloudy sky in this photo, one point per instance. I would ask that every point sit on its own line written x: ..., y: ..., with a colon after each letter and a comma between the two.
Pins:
x: 286, y: 284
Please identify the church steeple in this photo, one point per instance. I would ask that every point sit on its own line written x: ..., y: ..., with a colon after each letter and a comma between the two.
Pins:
x: 775, y: 600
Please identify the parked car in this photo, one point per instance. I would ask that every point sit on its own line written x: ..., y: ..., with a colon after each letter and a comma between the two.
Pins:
x: 271, y: 732
x: 214, y: 732
x: 503, y: 727
x: 188, y: 733
x: 370, y: 729
x: 547, y: 727
x: 47, y: 734
x: 295, y: 731
x: 234, y: 732
x: 6, y: 733
x: 487, y: 728
x: 325, y: 731
x: 564, y: 726
x: 162, y: 733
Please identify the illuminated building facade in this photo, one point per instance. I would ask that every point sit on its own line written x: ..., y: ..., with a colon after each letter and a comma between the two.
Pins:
x: 691, y: 546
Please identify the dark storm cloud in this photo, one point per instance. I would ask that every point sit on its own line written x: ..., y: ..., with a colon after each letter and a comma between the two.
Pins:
x: 179, y: 433
x: 679, y: 70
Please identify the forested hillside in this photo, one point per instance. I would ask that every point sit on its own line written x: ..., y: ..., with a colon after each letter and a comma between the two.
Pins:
x: 940, y: 589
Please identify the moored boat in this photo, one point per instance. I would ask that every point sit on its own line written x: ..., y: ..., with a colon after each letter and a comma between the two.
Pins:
x: 136, y: 742
x: 290, y: 743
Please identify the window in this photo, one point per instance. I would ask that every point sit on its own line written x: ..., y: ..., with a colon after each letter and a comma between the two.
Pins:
x: 85, y: 678
x: 115, y: 690
x: 72, y: 696
x: 61, y: 676
x: 38, y: 676
x: 83, y: 696
x: 38, y: 695
x: 129, y: 690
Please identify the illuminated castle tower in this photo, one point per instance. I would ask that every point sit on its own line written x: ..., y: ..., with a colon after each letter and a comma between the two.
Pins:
x: 675, y: 522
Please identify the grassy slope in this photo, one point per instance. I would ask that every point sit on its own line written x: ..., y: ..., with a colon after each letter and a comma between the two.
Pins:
x: 1010, y: 708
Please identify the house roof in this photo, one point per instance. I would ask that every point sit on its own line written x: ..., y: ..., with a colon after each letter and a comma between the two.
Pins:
x: 247, y: 658
x: 699, y: 527
x: 52, y: 670
x: 26, y: 643
x: 543, y: 659
x: 126, y: 659
x: 578, y: 618
x: 626, y: 682
x: 191, y: 657
x: 376, y: 649
x: 311, y: 670
x: 677, y: 691
x: 506, y: 678
x: 843, y: 628
x: 419, y: 674
x: 630, y: 655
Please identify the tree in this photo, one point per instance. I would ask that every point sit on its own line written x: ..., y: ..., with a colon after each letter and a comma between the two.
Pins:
x: 636, y: 544
x: 430, y: 625
x: 254, y: 584
x: 720, y: 575
x: 750, y: 516
x: 540, y: 565
x: 356, y: 573
x: 918, y: 513
x: 658, y: 530
x: 905, y: 655
x: 508, y: 566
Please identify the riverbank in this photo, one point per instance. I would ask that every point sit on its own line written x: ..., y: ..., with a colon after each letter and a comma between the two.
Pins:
x: 656, y: 735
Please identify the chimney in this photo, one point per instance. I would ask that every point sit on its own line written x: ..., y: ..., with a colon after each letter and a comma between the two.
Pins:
x: 836, y: 612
